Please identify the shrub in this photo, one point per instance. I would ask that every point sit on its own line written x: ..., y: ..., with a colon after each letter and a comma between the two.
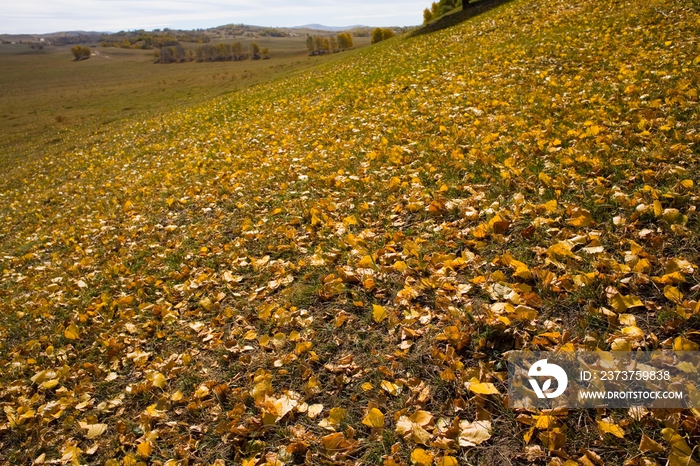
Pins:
x: 380, y: 34
x: 81, y: 53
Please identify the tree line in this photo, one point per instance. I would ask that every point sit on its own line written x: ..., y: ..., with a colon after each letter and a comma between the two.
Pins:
x: 71, y: 39
x: 149, y: 40
x: 319, y: 45
x: 209, y: 53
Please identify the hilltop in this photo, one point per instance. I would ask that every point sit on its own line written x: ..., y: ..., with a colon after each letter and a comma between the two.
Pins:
x: 330, y: 267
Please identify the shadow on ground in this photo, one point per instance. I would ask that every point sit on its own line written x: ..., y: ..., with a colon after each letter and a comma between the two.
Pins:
x: 473, y: 9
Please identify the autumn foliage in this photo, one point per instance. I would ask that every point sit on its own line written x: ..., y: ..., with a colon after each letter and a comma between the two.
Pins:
x: 329, y: 269
x: 80, y: 53
x: 380, y: 34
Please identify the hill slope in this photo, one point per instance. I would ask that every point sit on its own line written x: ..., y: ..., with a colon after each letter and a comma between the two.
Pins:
x: 329, y: 268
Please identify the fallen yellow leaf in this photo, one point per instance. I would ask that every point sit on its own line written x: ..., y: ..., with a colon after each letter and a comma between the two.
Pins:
x: 72, y: 332
x: 420, y: 457
x: 93, y: 430
x: 482, y: 388
x: 683, y: 344
x: 374, y: 419
x: 378, y: 313
x: 144, y: 449
x: 611, y: 428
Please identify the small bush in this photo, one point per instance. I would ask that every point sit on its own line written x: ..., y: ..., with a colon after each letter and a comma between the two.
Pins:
x: 81, y: 53
x: 380, y: 34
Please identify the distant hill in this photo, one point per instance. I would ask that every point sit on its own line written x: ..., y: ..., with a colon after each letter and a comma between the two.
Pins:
x: 54, y: 38
x: 321, y: 27
x: 69, y: 37
x: 50, y: 35
x: 73, y: 33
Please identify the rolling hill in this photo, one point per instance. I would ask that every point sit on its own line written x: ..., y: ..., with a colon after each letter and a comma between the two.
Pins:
x: 330, y: 268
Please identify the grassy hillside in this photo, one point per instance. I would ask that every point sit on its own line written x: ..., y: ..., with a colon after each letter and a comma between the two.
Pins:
x: 50, y: 103
x: 328, y: 268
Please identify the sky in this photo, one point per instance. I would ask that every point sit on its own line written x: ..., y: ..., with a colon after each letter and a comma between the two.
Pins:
x: 44, y: 16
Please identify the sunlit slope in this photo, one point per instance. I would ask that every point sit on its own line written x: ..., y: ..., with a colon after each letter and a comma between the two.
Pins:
x: 330, y: 267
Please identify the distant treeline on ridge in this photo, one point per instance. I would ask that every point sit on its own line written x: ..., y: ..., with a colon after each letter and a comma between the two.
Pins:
x: 149, y: 40
x: 209, y: 52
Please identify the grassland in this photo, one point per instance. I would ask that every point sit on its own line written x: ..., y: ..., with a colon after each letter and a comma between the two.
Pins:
x: 328, y: 268
x: 50, y: 102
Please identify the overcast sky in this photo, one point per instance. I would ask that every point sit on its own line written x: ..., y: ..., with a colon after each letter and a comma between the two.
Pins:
x: 42, y: 16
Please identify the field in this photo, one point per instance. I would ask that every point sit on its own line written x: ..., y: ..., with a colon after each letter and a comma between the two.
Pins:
x: 49, y: 102
x: 330, y: 267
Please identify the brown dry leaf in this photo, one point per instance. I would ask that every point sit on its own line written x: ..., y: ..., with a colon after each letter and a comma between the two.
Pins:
x: 554, y: 439
x: 649, y: 445
x: 335, y: 442
x: 593, y: 456
x: 314, y: 410
x: 419, y: 435
x: 93, y: 430
x: 474, y: 433
x: 533, y: 453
